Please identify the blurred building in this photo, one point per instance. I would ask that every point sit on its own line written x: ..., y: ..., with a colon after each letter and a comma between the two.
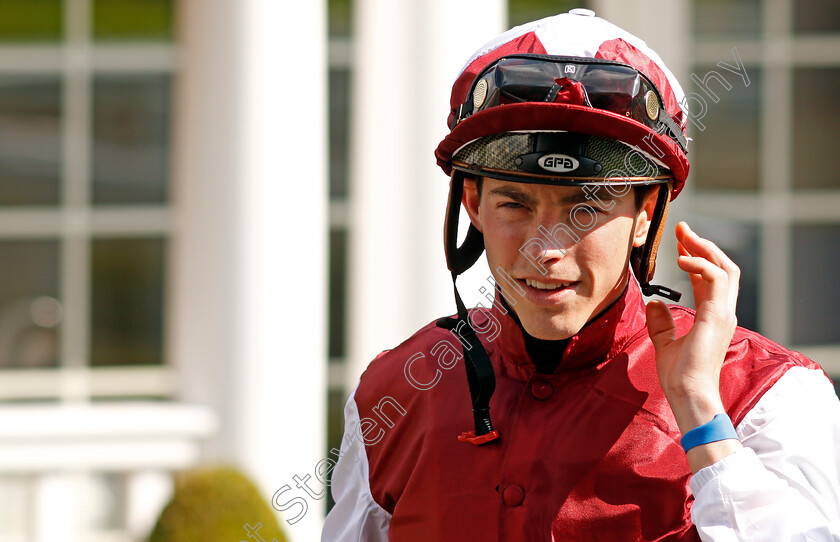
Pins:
x: 214, y: 213
x: 162, y: 302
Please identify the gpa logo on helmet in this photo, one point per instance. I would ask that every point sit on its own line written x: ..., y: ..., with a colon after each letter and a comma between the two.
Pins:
x: 558, y: 163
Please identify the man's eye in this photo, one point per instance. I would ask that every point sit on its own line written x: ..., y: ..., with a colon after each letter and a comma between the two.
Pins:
x: 511, y: 205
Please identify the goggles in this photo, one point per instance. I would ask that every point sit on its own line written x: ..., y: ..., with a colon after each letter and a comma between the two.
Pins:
x: 600, y: 84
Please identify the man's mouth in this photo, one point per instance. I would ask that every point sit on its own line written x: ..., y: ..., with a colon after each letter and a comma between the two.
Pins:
x: 547, y: 285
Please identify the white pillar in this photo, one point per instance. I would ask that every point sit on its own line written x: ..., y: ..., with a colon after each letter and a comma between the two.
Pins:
x: 206, y: 178
x: 249, y: 274
x: 281, y: 391
x: 59, y: 503
x: 406, y: 57
x: 148, y: 492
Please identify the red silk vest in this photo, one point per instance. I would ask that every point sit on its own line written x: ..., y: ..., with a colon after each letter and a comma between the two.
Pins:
x: 588, y: 453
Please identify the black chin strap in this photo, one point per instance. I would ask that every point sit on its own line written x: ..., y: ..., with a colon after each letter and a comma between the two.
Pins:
x: 480, y: 374
x: 643, y: 259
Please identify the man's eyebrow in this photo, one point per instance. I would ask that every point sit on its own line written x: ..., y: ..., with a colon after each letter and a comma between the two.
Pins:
x: 514, y: 194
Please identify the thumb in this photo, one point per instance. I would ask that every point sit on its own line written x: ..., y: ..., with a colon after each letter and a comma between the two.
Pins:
x: 660, y: 325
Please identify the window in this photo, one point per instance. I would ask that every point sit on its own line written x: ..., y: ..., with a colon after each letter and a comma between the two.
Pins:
x: 84, y: 193
x: 85, y: 100
x: 763, y: 168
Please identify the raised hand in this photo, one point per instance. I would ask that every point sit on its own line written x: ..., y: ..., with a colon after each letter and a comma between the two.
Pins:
x: 689, y: 366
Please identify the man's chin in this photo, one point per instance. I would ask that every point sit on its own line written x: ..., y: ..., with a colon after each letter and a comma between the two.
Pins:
x: 551, y: 328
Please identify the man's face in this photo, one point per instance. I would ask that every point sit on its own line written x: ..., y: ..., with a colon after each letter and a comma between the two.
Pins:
x: 566, y: 247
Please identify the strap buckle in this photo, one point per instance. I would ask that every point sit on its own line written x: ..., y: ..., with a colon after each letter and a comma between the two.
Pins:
x: 662, y: 291
x: 480, y: 440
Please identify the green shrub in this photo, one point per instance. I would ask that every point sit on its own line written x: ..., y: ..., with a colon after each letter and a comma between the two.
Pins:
x: 213, y: 505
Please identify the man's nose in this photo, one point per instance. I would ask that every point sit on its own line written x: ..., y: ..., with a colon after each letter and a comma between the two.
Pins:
x: 550, y: 242
x: 559, y: 236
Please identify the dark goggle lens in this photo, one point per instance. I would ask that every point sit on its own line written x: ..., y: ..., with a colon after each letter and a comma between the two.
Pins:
x: 610, y: 87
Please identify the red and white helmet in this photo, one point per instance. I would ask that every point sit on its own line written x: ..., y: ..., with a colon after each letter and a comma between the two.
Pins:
x: 577, y: 35
x: 566, y: 100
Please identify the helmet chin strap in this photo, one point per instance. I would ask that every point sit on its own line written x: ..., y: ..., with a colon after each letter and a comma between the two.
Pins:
x: 643, y: 259
x: 480, y: 374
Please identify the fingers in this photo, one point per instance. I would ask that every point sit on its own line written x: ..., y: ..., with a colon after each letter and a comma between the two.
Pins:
x: 681, y: 249
x: 697, y: 246
x: 694, y: 245
x: 660, y: 325
x: 709, y: 281
x: 697, y: 286
x: 691, y: 246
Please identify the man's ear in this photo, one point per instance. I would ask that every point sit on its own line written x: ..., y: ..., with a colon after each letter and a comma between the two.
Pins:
x: 645, y: 215
x: 471, y: 199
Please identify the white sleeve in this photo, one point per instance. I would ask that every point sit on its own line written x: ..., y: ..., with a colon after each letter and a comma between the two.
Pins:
x: 785, y: 484
x: 356, y: 516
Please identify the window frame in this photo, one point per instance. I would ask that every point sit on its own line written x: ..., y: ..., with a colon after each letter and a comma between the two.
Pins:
x: 77, y: 58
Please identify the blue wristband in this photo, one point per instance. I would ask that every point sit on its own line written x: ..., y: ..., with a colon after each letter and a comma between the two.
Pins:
x: 720, y: 428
